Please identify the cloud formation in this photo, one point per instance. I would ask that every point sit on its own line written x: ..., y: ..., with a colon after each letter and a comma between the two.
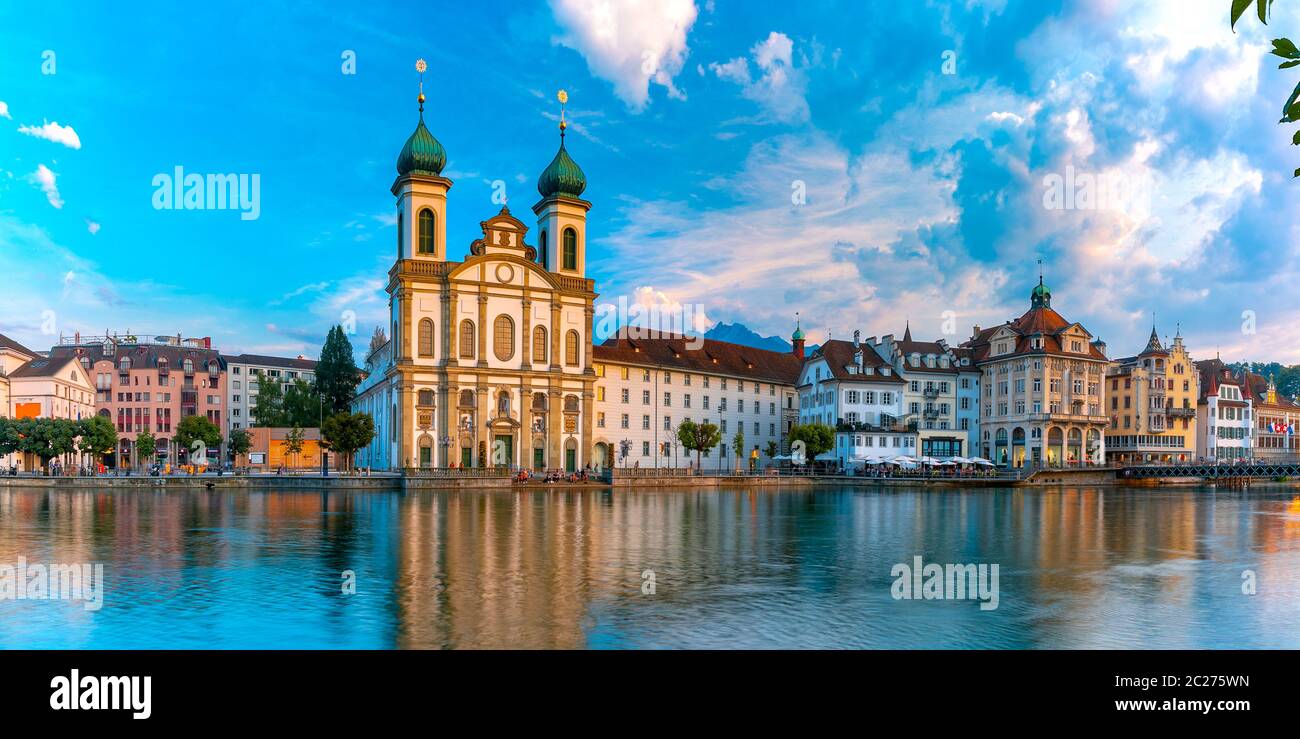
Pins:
x: 47, y: 182
x: 629, y: 43
x: 52, y: 131
x: 780, y: 87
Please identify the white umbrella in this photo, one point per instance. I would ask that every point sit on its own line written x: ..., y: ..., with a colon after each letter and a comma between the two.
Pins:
x: 960, y: 460
x: 981, y: 460
x: 929, y: 460
x: 946, y: 463
x: 903, y: 459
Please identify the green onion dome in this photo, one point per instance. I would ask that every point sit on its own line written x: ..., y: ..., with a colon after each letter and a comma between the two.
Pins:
x: 422, y: 153
x: 563, y: 176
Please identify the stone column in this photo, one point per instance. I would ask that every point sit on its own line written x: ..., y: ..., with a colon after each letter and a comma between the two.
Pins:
x: 526, y: 342
x: 482, y: 328
x: 555, y: 426
x: 480, y: 425
x: 557, y: 329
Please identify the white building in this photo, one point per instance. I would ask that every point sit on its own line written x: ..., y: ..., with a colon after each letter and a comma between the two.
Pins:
x: 850, y: 387
x: 50, y: 388
x: 245, y: 372
x: 935, y: 376
x: 1225, y: 429
x: 645, y: 389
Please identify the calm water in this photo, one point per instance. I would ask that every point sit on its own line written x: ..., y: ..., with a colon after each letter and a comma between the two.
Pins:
x: 1080, y: 568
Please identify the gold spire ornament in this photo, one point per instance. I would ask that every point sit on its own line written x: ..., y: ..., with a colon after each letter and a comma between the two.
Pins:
x: 420, y: 66
x: 563, y: 97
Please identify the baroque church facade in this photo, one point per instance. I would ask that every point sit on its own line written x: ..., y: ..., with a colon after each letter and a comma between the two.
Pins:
x: 488, y: 360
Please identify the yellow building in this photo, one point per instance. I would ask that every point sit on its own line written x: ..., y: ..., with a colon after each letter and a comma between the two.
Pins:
x: 1151, y: 400
x: 491, y: 359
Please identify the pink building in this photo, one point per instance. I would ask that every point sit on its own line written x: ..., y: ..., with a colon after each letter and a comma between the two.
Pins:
x: 151, y: 385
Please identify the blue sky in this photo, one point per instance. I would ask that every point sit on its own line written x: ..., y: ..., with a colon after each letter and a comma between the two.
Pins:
x: 695, y: 122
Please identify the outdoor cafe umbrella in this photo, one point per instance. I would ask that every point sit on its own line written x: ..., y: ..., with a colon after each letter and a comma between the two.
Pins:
x: 981, y: 460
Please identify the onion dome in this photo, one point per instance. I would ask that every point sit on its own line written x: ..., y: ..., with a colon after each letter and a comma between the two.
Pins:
x: 563, y: 176
x: 422, y: 153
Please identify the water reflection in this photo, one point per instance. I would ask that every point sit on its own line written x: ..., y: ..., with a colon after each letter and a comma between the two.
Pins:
x: 1082, y: 567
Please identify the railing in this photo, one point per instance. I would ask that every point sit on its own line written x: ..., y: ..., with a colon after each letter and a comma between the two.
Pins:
x: 458, y: 473
x: 1181, y: 412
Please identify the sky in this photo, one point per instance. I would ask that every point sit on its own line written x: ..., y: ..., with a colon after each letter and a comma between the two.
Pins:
x: 862, y: 164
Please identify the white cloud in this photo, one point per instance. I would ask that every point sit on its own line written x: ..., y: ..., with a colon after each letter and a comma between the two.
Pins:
x: 52, y: 131
x: 46, y: 180
x: 92, y: 226
x: 630, y: 43
x: 4, y: 110
x: 780, y: 88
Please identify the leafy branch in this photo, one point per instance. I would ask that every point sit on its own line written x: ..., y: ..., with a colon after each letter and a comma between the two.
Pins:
x: 1282, y: 47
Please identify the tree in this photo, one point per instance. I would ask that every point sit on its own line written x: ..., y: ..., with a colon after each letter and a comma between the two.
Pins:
x: 817, y: 438
x: 738, y: 443
x: 337, y: 375
x: 10, y: 441
x: 698, y: 437
x: 772, y: 449
x: 293, y: 443
x: 345, y: 433
x: 238, y: 443
x: 47, y: 438
x: 301, y: 405
x: 145, y: 446
x: 1282, y: 47
x: 98, y: 437
x: 269, y: 411
x: 197, y: 428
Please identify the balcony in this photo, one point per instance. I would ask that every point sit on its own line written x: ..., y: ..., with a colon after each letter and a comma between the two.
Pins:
x: 930, y: 392
x: 1180, y: 412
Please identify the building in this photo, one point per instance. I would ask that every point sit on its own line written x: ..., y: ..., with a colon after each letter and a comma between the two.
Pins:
x: 247, y: 371
x: 934, y: 377
x: 150, y: 384
x: 12, y: 356
x: 375, y: 396
x: 1041, y: 388
x: 1277, y: 420
x: 1224, y: 414
x: 1152, y: 399
x: 268, y: 450
x: 50, y: 387
x: 491, y: 358
x: 646, y: 388
x: 852, y: 388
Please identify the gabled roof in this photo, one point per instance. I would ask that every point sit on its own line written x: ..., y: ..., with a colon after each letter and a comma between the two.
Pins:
x: 1214, y: 373
x: 695, y: 354
x: 1037, y: 321
x: 42, y: 367
x: 839, y: 354
x: 1258, y: 391
x: 15, y: 347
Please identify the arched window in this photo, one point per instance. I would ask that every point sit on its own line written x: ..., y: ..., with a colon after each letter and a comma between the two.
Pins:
x: 503, y: 337
x: 425, y: 397
x: 570, y: 249
x: 539, y: 401
x: 426, y: 337
x: 467, y: 339
x: 571, y: 403
x: 426, y: 231
x: 571, y: 348
x: 467, y: 398
x: 539, y: 345
x: 188, y: 366
x: 399, y: 235
x: 125, y: 364
x: 541, y: 251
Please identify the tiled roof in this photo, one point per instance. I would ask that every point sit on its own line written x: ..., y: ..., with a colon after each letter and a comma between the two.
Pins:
x: 838, y: 354
x: 1040, y: 320
x: 1213, y: 375
x: 143, y: 356
x: 42, y: 367
x: 10, y: 344
x: 1258, y: 385
x: 694, y: 354
x: 265, y: 361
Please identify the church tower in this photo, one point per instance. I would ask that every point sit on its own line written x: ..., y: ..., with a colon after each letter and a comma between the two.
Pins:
x: 421, y: 192
x: 562, y: 213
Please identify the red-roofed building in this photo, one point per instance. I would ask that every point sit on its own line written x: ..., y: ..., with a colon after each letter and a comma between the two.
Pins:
x: 1041, y: 390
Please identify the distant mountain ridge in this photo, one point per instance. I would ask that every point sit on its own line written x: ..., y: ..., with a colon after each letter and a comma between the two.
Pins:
x: 739, y: 333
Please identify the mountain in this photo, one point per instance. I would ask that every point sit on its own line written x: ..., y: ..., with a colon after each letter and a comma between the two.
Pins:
x: 739, y: 333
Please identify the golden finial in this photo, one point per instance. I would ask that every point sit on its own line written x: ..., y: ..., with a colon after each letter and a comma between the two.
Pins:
x: 420, y: 66
x: 563, y: 97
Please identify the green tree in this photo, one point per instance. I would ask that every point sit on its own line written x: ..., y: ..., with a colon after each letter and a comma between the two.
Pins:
x: 337, y: 375
x: 1282, y: 47
x: 302, y: 405
x: 772, y: 449
x: 268, y: 411
x: 98, y: 437
x: 196, y: 428
x: 293, y: 443
x: 238, y: 443
x: 817, y: 438
x: 698, y: 437
x: 10, y: 441
x: 345, y: 433
x: 47, y: 438
x: 738, y: 444
x: 145, y: 446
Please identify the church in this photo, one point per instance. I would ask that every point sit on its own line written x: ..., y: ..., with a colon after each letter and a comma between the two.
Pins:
x: 488, y: 360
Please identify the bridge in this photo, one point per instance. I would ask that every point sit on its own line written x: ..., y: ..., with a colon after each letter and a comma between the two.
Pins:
x: 1211, y: 471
